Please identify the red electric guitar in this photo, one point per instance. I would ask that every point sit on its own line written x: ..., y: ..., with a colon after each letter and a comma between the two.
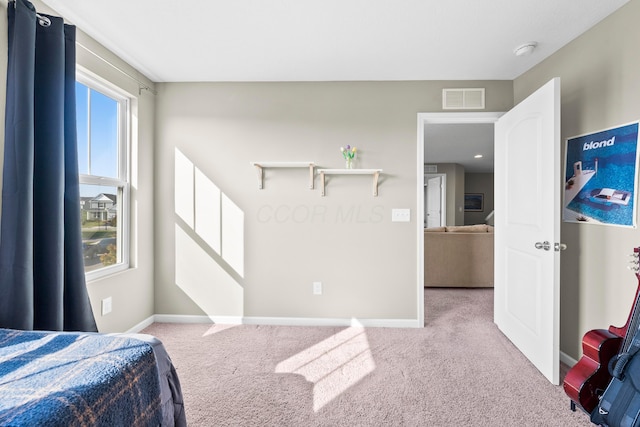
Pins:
x: 586, y: 380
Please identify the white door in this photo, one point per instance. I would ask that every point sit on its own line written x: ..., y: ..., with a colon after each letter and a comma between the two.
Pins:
x: 434, y: 201
x: 527, y: 226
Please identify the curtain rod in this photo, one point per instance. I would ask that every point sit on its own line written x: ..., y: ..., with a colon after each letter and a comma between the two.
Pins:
x: 141, y: 84
x: 42, y: 20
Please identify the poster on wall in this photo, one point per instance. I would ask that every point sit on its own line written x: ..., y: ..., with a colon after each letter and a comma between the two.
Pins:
x: 601, y: 175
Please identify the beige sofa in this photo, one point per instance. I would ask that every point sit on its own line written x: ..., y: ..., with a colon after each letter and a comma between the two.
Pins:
x: 458, y: 256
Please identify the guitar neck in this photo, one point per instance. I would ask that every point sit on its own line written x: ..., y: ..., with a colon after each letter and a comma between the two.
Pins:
x: 633, y: 321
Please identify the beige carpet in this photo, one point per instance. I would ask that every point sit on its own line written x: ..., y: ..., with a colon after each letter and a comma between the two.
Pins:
x: 457, y: 371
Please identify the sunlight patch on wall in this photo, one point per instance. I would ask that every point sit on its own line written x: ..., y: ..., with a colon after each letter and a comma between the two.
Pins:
x: 207, y: 210
x: 209, y: 242
x: 184, y: 188
x: 233, y: 235
x: 332, y: 365
x: 204, y: 280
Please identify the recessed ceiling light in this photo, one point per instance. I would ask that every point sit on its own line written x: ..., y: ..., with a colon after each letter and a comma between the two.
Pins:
x: 478, y: 156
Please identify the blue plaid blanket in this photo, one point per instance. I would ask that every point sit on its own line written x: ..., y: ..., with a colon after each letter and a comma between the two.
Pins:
x: 77, y: 379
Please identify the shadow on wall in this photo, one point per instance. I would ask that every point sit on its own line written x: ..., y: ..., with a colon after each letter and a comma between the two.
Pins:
x: 209, y: 242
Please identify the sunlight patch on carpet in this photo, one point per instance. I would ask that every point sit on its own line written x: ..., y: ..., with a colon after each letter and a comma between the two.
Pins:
x: 216, y: 327
x: 332, y: 365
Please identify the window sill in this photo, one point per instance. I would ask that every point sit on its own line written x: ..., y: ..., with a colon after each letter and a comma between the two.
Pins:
x: 93, y: 276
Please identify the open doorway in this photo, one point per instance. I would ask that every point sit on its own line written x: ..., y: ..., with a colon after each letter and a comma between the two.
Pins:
x: 463, y: 153
x: 435, y: 198
x: 454, y: 197
x: 527, y: 273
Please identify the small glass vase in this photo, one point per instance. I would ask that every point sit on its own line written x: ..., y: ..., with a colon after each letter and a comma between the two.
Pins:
x: 349, y: 164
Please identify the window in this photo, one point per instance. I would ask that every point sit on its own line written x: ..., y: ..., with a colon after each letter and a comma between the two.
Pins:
x: 102, y: 124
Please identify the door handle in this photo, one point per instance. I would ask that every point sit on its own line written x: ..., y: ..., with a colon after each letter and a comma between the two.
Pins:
x: 559, y: 247
x: 543, y: 245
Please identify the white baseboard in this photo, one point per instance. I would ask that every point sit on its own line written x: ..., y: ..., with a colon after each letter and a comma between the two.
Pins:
x: 567, y: 360
x: 186, y: 318
x: 294, y: 321
x: 287, y: 321
x: 140, y: 326
x: 312, y: 321
x: 180, y: 318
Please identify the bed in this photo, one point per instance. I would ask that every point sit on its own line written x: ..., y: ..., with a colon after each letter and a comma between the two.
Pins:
x: 87, y: 379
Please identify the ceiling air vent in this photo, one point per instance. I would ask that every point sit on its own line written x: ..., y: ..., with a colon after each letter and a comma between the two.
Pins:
x: 430, y: 168
x: 463, y: 99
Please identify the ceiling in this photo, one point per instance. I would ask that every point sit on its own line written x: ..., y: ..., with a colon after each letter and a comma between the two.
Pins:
x: 332, y: 40
x: 459, y: 143
x: 341, y: 40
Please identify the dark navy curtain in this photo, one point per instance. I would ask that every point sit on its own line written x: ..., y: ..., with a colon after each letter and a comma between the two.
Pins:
x: 42, y: 284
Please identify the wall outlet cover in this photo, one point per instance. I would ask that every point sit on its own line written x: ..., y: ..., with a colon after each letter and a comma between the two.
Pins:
x: 317, y: 288
x: 106, y: 305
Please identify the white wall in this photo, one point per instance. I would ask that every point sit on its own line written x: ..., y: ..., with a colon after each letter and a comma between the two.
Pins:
x: 600, y: 87
x: 132, y: 291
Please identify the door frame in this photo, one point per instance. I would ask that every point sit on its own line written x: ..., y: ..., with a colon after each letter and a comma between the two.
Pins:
x: 443, y: 195
x: 425, y: 119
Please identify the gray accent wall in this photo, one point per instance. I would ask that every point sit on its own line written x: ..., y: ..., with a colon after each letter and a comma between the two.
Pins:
x: 292, y: 236
x: 600, y: 85
x: 479, y: 183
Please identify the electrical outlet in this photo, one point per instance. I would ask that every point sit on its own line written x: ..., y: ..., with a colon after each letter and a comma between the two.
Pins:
x: 106, y: 306
x: 317, y: 288
x: 400, y: 215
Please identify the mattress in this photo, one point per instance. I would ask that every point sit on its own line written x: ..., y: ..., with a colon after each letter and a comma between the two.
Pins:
x: 87, y: 379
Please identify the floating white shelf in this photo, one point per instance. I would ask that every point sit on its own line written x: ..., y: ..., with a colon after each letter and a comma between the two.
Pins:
x: 374, y: 172
x: 261, y: 165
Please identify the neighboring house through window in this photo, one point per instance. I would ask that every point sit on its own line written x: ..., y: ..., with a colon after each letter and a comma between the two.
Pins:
x: 103, y: 207
x: 103, y: 146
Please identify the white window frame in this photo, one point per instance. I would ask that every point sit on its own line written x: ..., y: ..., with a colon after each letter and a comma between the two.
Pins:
x: 124, y: 178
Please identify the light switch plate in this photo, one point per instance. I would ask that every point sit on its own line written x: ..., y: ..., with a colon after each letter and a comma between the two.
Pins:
x: 400, y: 215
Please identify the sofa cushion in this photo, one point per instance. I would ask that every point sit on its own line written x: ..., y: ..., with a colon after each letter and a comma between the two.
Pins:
x: 458, y: 259
x: 478, y: 228
x: 436, y: 229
